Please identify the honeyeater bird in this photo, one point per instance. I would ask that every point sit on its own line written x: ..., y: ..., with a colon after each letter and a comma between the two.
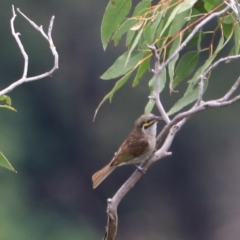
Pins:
x: 137, y: 147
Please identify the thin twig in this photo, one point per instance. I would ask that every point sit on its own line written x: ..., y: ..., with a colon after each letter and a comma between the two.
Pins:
x: 38, y: 28
x: 218, y: 62
x: 156, y: 94
x: 25, y: 56
x: 230, y: 92
x: 16, y: 36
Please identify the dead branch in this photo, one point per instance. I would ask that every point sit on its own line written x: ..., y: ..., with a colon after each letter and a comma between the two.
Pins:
x: 48, y: 37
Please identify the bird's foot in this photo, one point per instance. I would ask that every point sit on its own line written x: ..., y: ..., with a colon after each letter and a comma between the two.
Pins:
x: 142, y: 170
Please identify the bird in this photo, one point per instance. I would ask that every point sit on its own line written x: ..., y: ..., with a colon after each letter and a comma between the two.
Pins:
x: 137, y: 147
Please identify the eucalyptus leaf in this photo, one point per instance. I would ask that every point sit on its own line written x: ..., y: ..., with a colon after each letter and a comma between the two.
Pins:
x: 180, y: 8
x: 8, y: 107
x: 135, y: 42
x: 149, y: 106
x: 6, y: 99
x: 147, y: 33
x: 208, y: 62
x: 185, y: 67
x: 237, y: 38
x: 110, y: 95
x: 115, y: 13
x: 5, y: 163
x: 141, y: 7
x: 118, y: 68
x: 155, y: 24
x: 143, y: 67
x: 227, y: 29
x: 186, y: 100
x: 179, y: 22
x: 124, y: 27
x: 152, y: 81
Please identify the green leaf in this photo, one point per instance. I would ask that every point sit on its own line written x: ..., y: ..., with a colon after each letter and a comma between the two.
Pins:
x: 171, y: 66
x: 208, y: 6
x: 179, y: 22
x: 176, y: 43
x: 130, y: 37
x: 8, y: 107
x: 228, y: 19
x: 185, y: 67
x: 208, y: 62
x: 185, y: 5
x: 135, y: 42
x: 149, y: 106
x: 155, y: 24
x: 199, y: 40
x: 5, y: 163
x: 141, y: 7
x: 237, y: 38
x: 115, y: 13
x: 125, y: 26
x: 196, y: 40
x: 143, y: 67
x: 152, y: 86
x: 6, y: 99
x: 110, y: 95
x: 139, y: 10
x: 184, y: 101
x: 171, y: 70
x: 152, y: 82
x: 188, y: 98
x: 147, y: 33
x: 118, y: 68
x: 227, y: 29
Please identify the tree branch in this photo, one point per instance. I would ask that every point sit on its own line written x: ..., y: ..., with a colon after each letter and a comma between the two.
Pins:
x: 191, y: 35
x: 166, y: 136
x: 156, y: 94
x: 25, y: 56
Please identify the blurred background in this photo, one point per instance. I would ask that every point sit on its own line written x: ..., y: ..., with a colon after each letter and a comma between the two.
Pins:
x: 56, y: 147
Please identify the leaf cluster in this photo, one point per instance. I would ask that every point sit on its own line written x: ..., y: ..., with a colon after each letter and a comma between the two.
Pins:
x: 166, y: 25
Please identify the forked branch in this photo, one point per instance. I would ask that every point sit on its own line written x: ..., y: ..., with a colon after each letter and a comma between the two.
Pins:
x: 48, y: 37
x: 166, y: 136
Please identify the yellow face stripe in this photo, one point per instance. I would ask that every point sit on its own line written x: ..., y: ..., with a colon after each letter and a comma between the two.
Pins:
x: 147, y: 124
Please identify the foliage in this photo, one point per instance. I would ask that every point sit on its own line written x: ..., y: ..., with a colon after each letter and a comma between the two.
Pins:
x: 6, y: 104
x: 167, y: 24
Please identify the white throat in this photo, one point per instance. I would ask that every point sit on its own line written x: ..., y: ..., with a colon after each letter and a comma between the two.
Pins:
x: 152, y: 130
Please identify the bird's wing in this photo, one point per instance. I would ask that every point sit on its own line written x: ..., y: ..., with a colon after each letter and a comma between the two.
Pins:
x: 130, y: 149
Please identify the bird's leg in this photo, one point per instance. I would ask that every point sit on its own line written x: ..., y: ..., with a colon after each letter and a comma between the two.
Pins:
x: 142, y: 170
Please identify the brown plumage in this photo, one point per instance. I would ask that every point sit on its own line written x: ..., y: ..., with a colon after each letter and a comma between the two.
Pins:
x: 138, y: 146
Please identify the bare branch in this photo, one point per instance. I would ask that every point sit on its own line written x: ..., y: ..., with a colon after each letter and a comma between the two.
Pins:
x: 38, y: 28
x: 225, y: 59
x: 156, y: 94
x: 25, y: 56
x: 16, y: 36
x: 201, y: 90
x: 230, y: 92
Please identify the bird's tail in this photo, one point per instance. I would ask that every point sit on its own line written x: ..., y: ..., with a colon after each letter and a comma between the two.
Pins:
x: 100, y: 175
